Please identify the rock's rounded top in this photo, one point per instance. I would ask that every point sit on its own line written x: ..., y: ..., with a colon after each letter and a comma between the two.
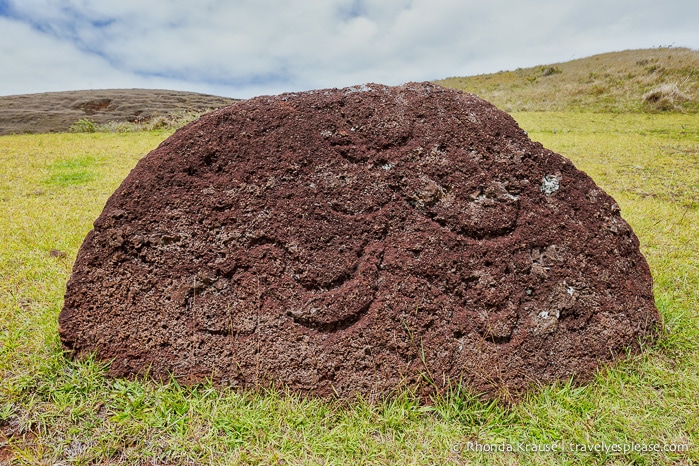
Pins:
x: 355, y: 241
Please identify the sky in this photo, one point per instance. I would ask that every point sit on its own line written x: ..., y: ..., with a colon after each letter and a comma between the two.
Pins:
x: 244, y: 48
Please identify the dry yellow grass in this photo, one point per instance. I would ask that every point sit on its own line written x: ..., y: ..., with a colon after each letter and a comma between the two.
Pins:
x: 648, y: 80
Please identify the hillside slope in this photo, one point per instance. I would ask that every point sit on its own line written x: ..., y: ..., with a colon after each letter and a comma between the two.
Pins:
x: 51, y: 112
x: 648, y: 80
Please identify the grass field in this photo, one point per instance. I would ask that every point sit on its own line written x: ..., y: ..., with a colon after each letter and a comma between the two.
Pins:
x: 56, y: 411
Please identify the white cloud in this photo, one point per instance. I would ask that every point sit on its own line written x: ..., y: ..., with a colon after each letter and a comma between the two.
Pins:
x: 36, y: 62
x: 248, y: 47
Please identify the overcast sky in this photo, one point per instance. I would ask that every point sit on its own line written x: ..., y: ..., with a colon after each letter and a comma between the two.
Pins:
x: 242, y: 48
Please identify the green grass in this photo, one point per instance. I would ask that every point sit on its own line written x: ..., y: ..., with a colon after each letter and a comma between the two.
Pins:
x: 71, y: 171
x: 56, y: 411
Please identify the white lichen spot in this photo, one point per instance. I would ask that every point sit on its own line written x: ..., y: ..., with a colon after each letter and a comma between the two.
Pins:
x: 550, y: 184
x: 362, y: 88
x: 387, y: 166
x: 570, y: 290
x: 546, y: 314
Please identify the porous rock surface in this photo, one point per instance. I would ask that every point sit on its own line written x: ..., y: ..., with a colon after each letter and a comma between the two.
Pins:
x: 358, y: 241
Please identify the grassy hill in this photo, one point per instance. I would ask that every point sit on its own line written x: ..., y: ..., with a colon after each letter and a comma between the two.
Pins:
x: 105, y: 109
x: 648, y: 80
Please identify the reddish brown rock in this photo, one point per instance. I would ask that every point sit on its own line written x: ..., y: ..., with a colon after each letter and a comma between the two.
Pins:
x: 358, y: 241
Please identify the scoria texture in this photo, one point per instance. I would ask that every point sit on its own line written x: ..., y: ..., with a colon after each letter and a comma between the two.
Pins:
x: 359, y: 241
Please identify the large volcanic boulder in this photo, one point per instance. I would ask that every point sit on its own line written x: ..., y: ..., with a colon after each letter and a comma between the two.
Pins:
x: 355, y: 241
